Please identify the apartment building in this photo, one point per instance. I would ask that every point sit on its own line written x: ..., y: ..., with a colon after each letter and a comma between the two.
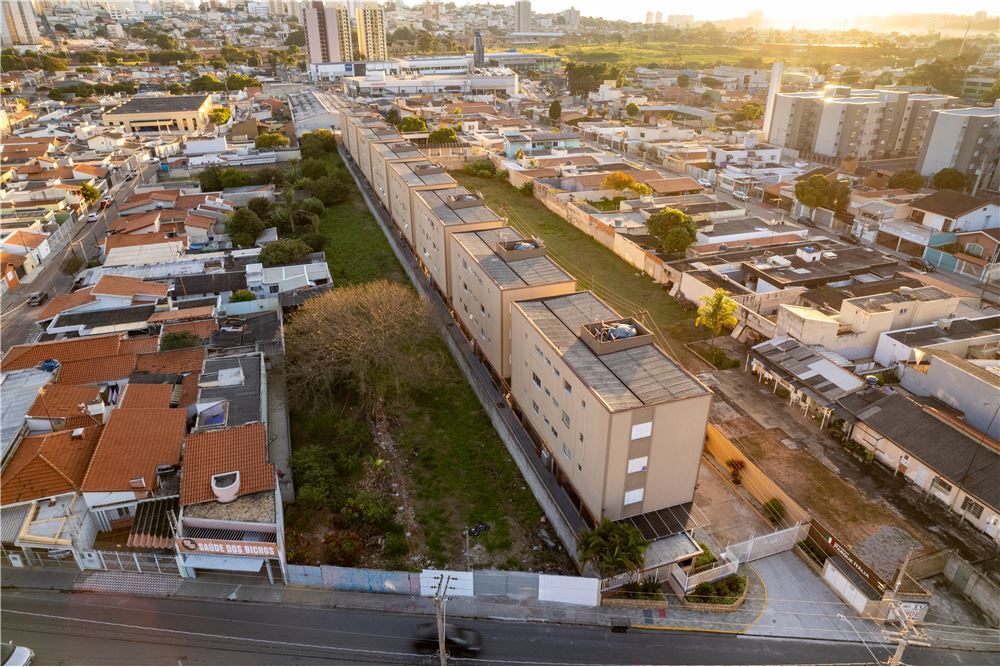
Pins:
x: 491, y: 270
x: 837, y: 121
x: 438, y: 214
x: 382, y: 154
x: 328, y: 32
x: 20, y: 24
x: 369, y: 137
x: 522, y: 16
x: 405, y: 181
x: 963, y: 139
x: 352, y: 121
x: 370, y: 20
x: 621, y: 423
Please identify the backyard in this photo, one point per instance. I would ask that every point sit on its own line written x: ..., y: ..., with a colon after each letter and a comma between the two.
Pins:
x: 595, y: 267
x: 440, y: 465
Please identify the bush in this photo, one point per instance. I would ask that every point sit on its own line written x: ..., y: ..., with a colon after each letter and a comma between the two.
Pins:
x: 329, y: 191
x: 368, y: 509
x: 396, y: 545
x: 645, y: 589
x: 736, y: 467
x: 315, y: 241
x: 481, y: 168
x: 72, y: 265
x: 271, y: 141
x: 527, y: 189
x: 313, y: 168
x: 706, y: 559
x: 502, y: 175
x: 176, y: 340
x: 723, y: 591
x: 342, y: 548
x: 242, y: 295
x: 774, y: 510
x: 284, y: 251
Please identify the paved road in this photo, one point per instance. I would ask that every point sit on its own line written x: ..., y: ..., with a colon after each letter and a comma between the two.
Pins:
x: 108, y: 629
x: 18, y: 318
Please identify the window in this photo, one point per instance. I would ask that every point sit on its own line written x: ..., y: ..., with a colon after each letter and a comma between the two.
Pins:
x: 534, y: 407
x: 482, y: 308
x: 537, y: 380
x: 126, y: 512
x: 547, y: 392
x: 565, y: 418
x: 556, y: 371
x: 567, y: 388
x: 974, y: 249
x: 555, y: 433
x: 567, y: 453
x: 970, y: 506
x: 632, y: 497
x: 940, y: 486
x: 643, y: 430
x: 638, y: 465
x: 273, y: 289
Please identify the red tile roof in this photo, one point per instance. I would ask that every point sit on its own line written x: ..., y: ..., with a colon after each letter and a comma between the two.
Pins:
x: 56, y: 401
x: 181, y: 314
x: 147, y: 396
x: 25, y: 239
x: 134, y: 442
x: 27, y: 356
x: 112, y: 285
x: 64, y: 302
x: 96, y: 370
x: 209, y: 453
x: 186, y: 360
x: 203, y: 329
x: 130, y: 240
x: 134, y: 223
x: 47, y: 465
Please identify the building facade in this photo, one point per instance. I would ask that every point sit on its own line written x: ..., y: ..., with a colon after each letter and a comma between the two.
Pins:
x: 20, y: 24
x: 169, y: 113
x: 522, y: 16
x: 963, y: 139
x: 372, y: 44
x: 328, y: 33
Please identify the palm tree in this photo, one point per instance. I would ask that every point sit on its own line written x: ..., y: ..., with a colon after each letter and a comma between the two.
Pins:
x: 717, y: 312
x: 613, y: 548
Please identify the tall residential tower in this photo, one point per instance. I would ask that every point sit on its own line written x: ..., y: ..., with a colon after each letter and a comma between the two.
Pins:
x: 371, y: 32
x: 328, y: 33
x: 20, y: 25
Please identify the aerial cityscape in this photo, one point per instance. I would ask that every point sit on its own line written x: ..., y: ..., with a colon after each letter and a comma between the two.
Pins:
x: 424, y: 332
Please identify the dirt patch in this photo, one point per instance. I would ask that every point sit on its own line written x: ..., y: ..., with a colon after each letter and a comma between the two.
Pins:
x: 835, y: 502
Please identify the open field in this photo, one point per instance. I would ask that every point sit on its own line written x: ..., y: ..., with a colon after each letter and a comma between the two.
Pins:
x: 595, y: 267
x: 451, y: 469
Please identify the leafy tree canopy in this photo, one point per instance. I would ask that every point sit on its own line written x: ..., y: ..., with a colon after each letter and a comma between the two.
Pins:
x: 284, y: 251
x: 675, y: 229
x: 908, y: 179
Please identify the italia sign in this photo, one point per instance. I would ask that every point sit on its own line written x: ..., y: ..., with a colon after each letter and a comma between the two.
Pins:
x: 227, y: 548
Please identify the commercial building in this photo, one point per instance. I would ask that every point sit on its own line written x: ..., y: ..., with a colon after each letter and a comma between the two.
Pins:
x: 328, y: 32
x: 838, y: 121
x: 963, y: 139
x: 621, y: 423
x: 162, y: 113
x: 437, y: 216
x: 20, y: 24
x: 370, y: 20
x: 522, y: 16
x: 490, y: 271
x: 487, y: 81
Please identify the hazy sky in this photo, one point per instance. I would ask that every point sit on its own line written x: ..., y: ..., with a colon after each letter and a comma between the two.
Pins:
x: 784, y: 11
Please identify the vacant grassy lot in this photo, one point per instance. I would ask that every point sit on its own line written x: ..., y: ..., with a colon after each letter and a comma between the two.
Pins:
x: 456, y: 471
x: 595, y: 267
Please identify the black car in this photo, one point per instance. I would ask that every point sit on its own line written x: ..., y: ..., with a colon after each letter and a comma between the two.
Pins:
x: 458, y: 641
x: 921, y: 263
x: 38, y: 298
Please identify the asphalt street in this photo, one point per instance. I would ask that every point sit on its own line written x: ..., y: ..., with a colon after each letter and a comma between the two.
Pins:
x: 18, y: 323
x: 109, y: 629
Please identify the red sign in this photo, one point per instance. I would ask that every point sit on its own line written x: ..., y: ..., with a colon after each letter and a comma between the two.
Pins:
x: 228, y: 548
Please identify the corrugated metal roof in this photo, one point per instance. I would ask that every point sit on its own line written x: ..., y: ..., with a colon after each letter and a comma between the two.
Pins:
x: 12, y: 519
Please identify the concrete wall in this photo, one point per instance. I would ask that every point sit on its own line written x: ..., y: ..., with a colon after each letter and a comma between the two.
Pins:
x: 969, y: 581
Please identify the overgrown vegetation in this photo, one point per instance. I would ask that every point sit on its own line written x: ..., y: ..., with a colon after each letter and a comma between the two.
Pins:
x: 723, y: 591
x: 774, y: 510
x: 613, y: 547
x: 176, y: 340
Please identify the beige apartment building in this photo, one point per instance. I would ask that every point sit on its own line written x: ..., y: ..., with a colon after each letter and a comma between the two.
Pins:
x: 328, y: 32
x: 404, y: 181
x: 490, y: 271
x: 353, y: 125
x: 370, y: 19
x: 384, y: 153
x: 437, y: 216
x: 368, y: 137
x: 167, y: 113
x: 621, y: 423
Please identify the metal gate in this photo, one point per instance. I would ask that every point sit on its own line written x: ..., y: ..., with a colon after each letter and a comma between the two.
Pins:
x: 131, y: 561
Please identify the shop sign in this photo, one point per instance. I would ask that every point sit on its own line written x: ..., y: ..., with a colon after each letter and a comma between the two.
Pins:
x: 227, y: 548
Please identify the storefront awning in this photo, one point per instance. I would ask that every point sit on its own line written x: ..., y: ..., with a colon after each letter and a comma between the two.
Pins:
x: 231, y: 564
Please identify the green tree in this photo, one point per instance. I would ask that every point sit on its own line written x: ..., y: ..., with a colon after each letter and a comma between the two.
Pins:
x: 618, y: 180
x: 815, y: 192
x: 313, y: 168
x: 234, y: 178
x: 284, y: 251
x: 443, y: 135
x: 193, y: 33
x: 949, y: 179
x: 632, y: 109
x: 317, y: 143
x: 242, y: 295
x: 711, y: 82
x: 166, y: 42
x: 908, y: 179
x: 613, y: 548
x: 992, y: 94
x: 683, y: 80
x: 262, y: 207
x: 89, y: 193
x: 555, y: 110
x: 220, y: 115
x: 750, y: 111
x: 717, y: 312
x: 176, y: 340
x: 675, y: 229
x: 243, y: 227
x: 411, y: 124
x: 271, y: 140
x: 329, y: 191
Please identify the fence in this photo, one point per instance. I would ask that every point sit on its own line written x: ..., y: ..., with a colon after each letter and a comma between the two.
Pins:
x: 969, y: 581
x: 759, y: 485
x: 767, y: 545
x: 130, y: 561
x: 689, y: 582
x: 359, y: 580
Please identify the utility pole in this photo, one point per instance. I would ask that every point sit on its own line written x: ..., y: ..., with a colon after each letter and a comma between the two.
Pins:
x: 909, y: 634
x: 439, y: 602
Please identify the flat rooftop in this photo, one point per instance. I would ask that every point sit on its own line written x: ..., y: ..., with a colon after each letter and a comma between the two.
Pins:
x: 961, y: 329
x: 400, y: 150
x: 458, y: 206
x: 879, y: 302
x: 510, y: 274
x: 624, y: 379
x: 844, y: 263
x: 160, y: 104
x: 416, y: 174
x: 236, y: 381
